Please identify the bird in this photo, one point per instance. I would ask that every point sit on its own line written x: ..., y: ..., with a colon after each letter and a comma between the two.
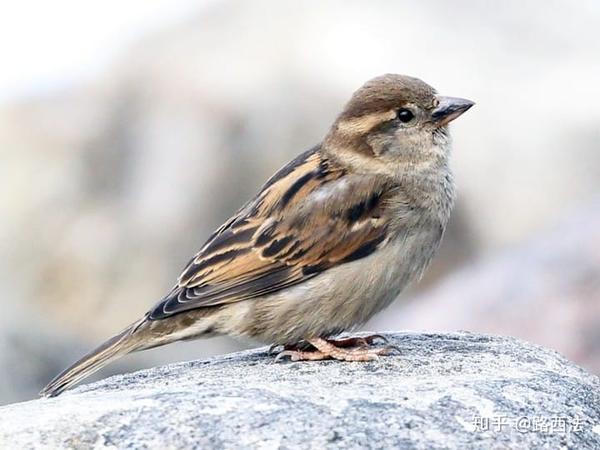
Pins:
x: 331, y: 239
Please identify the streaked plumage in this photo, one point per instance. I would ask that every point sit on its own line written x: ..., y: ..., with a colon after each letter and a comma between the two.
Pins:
x: 330, y: 239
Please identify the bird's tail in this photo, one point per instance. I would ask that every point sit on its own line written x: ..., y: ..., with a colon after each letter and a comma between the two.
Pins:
x: 117, y: 346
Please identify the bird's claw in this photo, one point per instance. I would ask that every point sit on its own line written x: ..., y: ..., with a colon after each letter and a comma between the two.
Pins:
x: 373, y: 337
x: 272, y: 348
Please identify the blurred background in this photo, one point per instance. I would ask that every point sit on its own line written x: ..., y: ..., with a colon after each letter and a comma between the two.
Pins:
x: 129, y: 130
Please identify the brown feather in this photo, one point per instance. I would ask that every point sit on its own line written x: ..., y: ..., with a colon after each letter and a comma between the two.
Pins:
x: 290, y: 232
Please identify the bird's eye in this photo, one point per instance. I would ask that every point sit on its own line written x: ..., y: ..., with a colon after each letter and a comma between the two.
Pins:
x: 405, y: 115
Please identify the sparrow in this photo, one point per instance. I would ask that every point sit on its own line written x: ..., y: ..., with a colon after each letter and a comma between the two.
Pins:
x: 330, y: 240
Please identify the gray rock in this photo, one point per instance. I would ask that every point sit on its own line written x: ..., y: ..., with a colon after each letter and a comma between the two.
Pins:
x: 444, y: 391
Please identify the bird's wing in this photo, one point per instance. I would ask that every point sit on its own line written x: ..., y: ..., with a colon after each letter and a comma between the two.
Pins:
x: 310, y: 216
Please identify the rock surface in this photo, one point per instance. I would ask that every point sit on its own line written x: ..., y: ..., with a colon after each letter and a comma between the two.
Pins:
x: 442, y: 392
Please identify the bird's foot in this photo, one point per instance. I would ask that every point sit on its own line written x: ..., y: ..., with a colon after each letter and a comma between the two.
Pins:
x: 298, y: 346
x: 302, y: 355
x: 364, y: 341
x: 349, y: 349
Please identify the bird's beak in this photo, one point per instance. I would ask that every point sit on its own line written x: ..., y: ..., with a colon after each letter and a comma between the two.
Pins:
x: 449, y: 108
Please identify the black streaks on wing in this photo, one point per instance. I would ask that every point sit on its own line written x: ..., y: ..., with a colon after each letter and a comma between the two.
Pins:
x: 365, y: 250
x: 213, y: 260
x: 265, y: 247
x: 184, y: 299
x: 277, y: 246
x: 313, y: 269
x: 267, y: 234
x: 321, y: 172
x: 231, y: 238
x: 289, y: 252
x: 362, y: 208
x: 295, y: 188
x: 290, y: 167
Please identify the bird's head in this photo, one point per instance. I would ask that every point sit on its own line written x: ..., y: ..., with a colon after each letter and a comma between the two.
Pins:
x: 396, y: 119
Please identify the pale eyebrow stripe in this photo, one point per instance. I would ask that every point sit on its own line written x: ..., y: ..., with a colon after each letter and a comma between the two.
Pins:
x: 364, y: 124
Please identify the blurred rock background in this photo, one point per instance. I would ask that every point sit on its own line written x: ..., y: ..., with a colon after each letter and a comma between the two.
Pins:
x: 109, y: 182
